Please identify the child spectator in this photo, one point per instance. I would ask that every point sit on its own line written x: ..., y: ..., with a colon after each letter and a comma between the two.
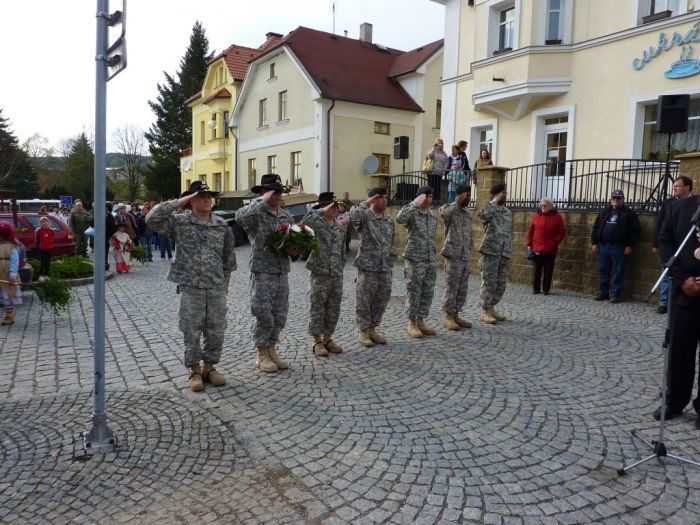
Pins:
x: 44, y: 243
x: 122, y: 244
x: 455, y: 177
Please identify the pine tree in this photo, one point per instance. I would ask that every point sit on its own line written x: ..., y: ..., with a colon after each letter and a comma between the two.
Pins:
x: 172, y: 131
x: 16, y: 171
x: 79, y: 170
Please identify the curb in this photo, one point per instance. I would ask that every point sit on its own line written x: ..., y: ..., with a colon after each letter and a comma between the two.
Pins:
x: 72, y: 282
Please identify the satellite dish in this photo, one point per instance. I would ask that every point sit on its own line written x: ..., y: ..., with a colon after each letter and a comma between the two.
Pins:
x: 370, y: 165
x: 187, y: 165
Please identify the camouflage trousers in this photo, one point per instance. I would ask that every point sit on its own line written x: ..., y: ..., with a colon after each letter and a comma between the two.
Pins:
x: 420, y: 287
x: 456, y: 284
x: 494, y: 276
x: 202, y: 313
x: 81, y: 243
x: 269, y: 303
x: 325, y: 295
x: 373, y: 291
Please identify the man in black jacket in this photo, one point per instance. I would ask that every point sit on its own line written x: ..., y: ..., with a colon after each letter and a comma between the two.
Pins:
x: 615, y: 233
x: 685, y: 309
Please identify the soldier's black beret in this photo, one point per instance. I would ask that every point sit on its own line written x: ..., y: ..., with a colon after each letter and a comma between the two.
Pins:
x: 498, y: 188
x: 463, y: 188
x: 424, y: 189
x: 376, y: 191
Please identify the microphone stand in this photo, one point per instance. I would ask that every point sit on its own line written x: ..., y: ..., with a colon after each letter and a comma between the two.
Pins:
x: 659, y: 447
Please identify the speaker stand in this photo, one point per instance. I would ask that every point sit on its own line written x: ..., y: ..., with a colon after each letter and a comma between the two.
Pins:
x: 661, y: 186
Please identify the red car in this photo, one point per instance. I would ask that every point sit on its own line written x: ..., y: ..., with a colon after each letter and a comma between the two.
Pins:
x: 63, y: 243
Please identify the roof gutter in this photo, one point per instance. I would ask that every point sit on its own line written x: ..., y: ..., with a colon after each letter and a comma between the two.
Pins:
x: 328, y: 145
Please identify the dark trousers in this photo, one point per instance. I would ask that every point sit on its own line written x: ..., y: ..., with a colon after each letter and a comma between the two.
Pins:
x: 164, y: 242
x: 685, y: 336
x: 611, y: 262
x: 44, y: 261
x: 544, y: 262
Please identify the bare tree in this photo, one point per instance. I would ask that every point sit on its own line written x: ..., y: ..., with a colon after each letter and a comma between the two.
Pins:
x: 130, y: 143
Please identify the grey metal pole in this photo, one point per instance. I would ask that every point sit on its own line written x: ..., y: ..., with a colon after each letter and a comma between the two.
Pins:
x: 100, y: 436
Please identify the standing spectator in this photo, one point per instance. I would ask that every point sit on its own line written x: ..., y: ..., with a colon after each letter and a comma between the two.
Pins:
x: 455, y: 177
x: 64, y: 214
x: 122, y: 244
x: 79, y: 221
x: 326, y: 267
x: 483, y: 160
x: 347, y: 203
x: 44, y: 243
x: 9, y: 272
x: 456, y: 157
x: 544, y: 235
x: 202, y: 273
x: 145, y: 233
x: 685, y: 306
x: 682, y: 188
x: 127, y: 219
x: 456, y: 251
x: 441, y: 163
x: 462, y: 145
x: 421, y: 267
x: 615, y: 233
x: 375, y: 262
x: 269, y: 283
x: 496, y: 251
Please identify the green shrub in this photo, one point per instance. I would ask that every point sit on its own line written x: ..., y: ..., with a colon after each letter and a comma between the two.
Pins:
x: 139, y: 254
x: 36, y: 265
x: 54, y: 293
x: 70, y: 267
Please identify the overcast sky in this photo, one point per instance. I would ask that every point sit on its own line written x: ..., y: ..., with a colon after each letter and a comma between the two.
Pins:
x: 47, y: 50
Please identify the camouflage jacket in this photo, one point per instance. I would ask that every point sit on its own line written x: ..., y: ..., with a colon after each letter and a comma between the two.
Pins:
x: 458, y: 232
x: 331, y: 259
x: 79, y: 221
x: 259, y: 223
x: 422, y: 227
x: 376, y: 252
x: 205, y: 256
x: 498, y: 230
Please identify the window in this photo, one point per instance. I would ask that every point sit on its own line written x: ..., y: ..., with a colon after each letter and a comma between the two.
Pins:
x: 272, y: 71
x: 296, y: 167
x: 252, y: 173
x: 659, y: 6
x: 201, y: 133
x: 217, y: 181
x: 555, y: 138
x: 556, y: 120
x: 486, y: 141
x: 272, y: 164
x: 203, y: 178
x: 383, y: 159
x: 653, y: 10
x: 220, y: 75
x: 382, y: 128
x: 506, y: 29
x: 438, y: 113
x: 213, y: 124
x: 54, y: 223
x: 655, y: 144
x: 282, y: 106
x: 226, y: 130
x: 262, y: 113
x: 554, y: 22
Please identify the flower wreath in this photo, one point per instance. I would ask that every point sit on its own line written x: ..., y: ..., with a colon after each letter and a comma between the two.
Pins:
x: 287, y: 236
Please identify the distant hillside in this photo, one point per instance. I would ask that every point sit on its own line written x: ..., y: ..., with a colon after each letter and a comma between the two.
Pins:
x: 114, y: 160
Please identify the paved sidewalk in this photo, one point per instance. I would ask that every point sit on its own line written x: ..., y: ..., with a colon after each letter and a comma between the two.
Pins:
x: 524, y: 422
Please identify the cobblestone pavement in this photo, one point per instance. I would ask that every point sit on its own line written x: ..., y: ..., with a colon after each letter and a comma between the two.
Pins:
x: 523, y: 422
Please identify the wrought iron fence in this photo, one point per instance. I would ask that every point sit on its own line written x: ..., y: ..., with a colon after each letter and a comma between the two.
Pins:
x: 586, y: 184
x: 402, y: 188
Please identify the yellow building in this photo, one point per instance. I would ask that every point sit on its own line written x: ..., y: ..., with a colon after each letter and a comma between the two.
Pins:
x: 212, y: 155
x: 553, y: 80
x: 316, y: 106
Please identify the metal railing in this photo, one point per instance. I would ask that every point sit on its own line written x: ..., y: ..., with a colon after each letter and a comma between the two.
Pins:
x: 586, y: 184
x: 402, y: 188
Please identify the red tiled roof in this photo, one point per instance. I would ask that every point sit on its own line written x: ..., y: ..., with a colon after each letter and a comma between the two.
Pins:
x: 412, y: 60
x: 237, y: 57
x: 222, y: 93
x: 348, y: 69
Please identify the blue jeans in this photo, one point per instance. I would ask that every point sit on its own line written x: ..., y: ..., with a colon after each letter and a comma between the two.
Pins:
x: 145, y: 242
x: 663, y: 291
x: 164, y: 242
x: 611, y: 260
x: 451, y: 196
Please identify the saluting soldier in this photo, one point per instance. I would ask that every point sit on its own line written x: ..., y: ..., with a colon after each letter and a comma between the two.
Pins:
x: 496, y: 251
x: 202, y: 272
x: 420, y: 267
x: 375, y: 262
x: 326, y: 267
x: 456, y: 250
x: 269, y: 286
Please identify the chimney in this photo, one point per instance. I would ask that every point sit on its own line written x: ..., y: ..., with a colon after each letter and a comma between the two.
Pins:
x: 366, y: 33
x: 346, y: 32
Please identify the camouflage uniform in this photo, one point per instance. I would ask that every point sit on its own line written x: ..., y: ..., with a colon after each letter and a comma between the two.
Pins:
x: 496, y: 251
x: 326, y: 279
x: 420, y: 269
x: 269, y: 287
x: 202, y: 271
x: 456, y: 250
x: 79, y: 221
x: 375, y: 262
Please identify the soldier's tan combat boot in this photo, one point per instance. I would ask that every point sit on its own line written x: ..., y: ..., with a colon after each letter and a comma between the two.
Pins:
x: 461, y: 322
x: 319, y: 348
x: 211, y: 376
x: 424, y: 328
x: 331, y: 346
x: 364, y: 339
x: 263, y: 361
x: 487, y: 317
x: 413, y: 330
x: 449, y: 321
x: 275, y: 358
x: 496, y: 315
x: 195, y: 382
x: 376, y: 337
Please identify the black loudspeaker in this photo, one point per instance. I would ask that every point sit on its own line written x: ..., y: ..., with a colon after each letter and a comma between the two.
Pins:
x: 672, y: 113
x: 401, y: 147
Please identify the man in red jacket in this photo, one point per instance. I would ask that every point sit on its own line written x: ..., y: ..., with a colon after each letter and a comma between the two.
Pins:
x: 544, y: 235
